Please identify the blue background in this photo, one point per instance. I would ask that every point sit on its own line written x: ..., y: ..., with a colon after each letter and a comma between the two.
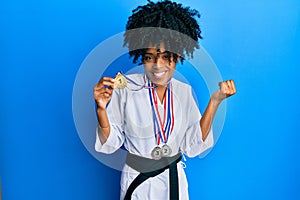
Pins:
x: 43, y: 44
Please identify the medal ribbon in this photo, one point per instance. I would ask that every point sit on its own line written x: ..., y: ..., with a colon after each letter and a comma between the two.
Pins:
x: 162, y: 128
x: 135, y: 83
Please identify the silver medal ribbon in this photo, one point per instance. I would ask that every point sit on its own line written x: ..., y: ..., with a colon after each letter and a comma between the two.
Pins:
x: 162, y: 128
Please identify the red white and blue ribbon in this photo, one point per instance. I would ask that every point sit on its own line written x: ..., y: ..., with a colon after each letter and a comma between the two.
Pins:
x: 139, y: 86
x: 162, y: 127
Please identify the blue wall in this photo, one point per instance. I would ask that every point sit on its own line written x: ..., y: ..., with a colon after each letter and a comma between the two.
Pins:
x: 42, y: 45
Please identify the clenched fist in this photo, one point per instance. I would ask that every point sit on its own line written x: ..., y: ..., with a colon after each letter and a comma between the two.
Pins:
x: 103, y: 91
x: 227, y: 89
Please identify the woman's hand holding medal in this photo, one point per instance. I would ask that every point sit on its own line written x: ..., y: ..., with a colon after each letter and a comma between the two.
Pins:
x: 102, y: 95
x: 103, y: 91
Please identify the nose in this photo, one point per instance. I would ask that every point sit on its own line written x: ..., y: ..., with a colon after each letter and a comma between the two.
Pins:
x: 159, y: 61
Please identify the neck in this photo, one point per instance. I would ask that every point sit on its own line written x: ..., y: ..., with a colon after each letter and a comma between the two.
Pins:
x: 161, y: 87
x: 161, y: 91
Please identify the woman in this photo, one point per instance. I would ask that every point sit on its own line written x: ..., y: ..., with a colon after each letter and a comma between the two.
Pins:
x: 160, y: 121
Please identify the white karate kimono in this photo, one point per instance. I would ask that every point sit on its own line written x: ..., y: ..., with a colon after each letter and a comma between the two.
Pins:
x: 131, y: 124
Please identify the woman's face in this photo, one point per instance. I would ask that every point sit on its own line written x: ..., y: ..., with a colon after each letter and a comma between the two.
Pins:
x: 159, y: 65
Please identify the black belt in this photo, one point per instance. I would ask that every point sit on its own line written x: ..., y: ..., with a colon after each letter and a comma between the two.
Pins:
x: 150, y: 168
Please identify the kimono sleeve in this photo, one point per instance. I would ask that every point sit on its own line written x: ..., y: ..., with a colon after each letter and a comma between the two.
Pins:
x: 115, y: 112
x: 193, y: 144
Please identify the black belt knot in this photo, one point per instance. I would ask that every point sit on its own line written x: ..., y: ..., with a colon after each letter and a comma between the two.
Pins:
x: 150, y: 168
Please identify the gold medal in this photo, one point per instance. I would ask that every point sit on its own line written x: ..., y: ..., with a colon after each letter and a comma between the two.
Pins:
x: 120, y: 81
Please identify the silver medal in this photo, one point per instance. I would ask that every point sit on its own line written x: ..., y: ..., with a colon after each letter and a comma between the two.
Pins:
x: 166, y: 150
x: 156, y: 153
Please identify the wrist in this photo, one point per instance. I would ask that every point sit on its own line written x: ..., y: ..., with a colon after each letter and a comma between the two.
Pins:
x: 100, y: 110
x: 215, y: 102
x: 103, y: 127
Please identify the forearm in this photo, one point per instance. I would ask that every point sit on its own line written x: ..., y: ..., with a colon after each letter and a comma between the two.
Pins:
x: 227, y: 88
x: 104, y: 126
x: 207, y: 117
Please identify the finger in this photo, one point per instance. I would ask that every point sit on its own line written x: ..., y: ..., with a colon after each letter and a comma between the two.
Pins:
x: 104, y: 84
x: 98, y: 87
x: 229, y: 87
x: 107, y: 79
x: 104, y: 80
x: 233, y: 86
x: 107, y: 95
x: 103, y: 90
x: 108, y: 90
x: 108, y: 84
x: 226, y: 87
x: 223, y: 86
x: 103, y: 96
